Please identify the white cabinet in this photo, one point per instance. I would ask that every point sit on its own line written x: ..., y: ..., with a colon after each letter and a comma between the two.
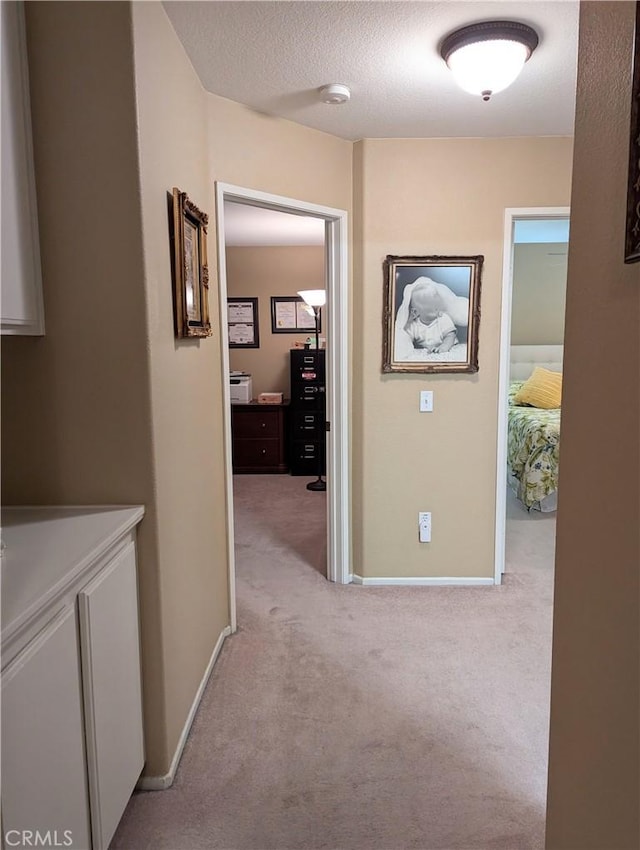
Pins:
x: 44, y: 782
x: 72, y: 739
x: 108, y: 610
x: 21, y: 303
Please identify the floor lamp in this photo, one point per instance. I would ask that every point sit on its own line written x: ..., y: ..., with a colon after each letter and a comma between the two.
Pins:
x: 315, y: 299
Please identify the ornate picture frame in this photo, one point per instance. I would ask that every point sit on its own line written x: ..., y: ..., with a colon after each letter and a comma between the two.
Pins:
x: 632, y: 240
x: 431, y: 314
x: 191, y: 272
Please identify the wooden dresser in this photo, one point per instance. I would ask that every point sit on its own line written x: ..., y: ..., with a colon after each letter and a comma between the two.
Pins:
x: 259, y: 437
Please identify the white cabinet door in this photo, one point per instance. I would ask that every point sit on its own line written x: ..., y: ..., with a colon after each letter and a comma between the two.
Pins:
x: 44, y: 783
x: 109, y: 640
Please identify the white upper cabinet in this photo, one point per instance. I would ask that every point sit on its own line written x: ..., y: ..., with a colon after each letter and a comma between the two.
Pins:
x: 21, y: 294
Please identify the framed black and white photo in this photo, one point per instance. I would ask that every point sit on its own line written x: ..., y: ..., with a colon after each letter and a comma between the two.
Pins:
x: 242, y: 319
x: 290, y: 315
x: 431, y: 314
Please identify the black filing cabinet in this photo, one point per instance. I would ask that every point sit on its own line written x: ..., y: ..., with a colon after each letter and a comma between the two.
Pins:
x: 307, y: 412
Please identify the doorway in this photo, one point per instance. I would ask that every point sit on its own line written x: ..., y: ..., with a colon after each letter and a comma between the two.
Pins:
x: 519, y: 218
x: 337, y: 456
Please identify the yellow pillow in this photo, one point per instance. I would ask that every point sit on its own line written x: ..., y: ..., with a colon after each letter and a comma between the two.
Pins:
x: 542, y: 389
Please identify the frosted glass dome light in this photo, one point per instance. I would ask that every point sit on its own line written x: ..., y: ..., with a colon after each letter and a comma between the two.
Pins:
x: 485, y: 58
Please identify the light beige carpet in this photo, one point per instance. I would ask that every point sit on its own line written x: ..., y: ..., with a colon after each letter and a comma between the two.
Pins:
x: 363, y: 718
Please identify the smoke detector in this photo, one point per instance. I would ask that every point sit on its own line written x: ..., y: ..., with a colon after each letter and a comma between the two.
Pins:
x: 335, y: 93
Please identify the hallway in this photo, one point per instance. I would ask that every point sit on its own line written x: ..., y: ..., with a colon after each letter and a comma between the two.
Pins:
x: 363, y: 718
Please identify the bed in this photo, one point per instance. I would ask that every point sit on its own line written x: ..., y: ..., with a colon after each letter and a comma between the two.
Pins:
x: 533, y: 434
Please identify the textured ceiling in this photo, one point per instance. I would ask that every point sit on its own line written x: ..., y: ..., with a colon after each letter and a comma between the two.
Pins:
x: 274, y: 56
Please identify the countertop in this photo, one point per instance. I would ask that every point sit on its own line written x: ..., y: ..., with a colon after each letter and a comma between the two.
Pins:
x: 46, y: 549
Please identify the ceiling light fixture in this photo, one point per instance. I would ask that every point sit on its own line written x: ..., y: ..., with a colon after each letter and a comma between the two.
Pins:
x: 335, y: 93
x: 487, y: 57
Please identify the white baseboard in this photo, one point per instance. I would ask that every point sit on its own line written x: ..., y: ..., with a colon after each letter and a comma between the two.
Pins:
x: 161, y: 783
x: 433, y: 581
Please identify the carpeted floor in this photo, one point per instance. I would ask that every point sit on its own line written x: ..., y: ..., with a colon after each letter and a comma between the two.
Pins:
x: 361, y: 718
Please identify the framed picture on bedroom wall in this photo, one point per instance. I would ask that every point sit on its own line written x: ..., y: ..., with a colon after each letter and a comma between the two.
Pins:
x: 431, y: 314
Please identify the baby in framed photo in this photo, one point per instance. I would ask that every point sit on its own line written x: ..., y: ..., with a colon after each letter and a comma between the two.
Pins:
x: 429, y: 326
x: 431, y: 314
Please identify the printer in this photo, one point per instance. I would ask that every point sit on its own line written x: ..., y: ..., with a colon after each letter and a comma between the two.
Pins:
x: 241, y: 388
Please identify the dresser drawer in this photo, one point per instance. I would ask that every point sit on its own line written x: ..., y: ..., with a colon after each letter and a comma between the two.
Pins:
x: 260, y: 423
x: 256, y: 453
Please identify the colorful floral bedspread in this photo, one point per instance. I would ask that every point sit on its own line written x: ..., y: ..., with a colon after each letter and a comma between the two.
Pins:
x: 533, y: 449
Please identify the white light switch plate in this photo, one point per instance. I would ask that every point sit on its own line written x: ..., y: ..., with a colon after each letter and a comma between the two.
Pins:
x: 424, y: 527
x: 426, y: 401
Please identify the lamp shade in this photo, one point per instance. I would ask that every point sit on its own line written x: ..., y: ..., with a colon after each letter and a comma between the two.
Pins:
x: 314, y: 297
x: 485, y: 58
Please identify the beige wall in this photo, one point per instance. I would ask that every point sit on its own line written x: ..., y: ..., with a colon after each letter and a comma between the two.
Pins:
x: 539, y: 288
x: 595, y: 714
x: 261, y: 272
x: 258, y: 151
x: 419, y: 197
x: 185, y: 379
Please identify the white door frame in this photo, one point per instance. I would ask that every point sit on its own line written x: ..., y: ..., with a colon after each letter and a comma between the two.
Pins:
x: 511, y: 215
x: 338, y: 470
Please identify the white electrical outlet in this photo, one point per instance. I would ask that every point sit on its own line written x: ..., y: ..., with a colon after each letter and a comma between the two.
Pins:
x: 426, y: 401
x: 424, y: 527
